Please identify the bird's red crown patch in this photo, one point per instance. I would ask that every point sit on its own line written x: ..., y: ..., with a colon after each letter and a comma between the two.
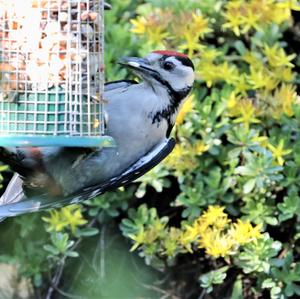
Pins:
x: 170, y: 53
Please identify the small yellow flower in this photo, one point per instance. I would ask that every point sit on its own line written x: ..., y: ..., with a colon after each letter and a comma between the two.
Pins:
x: 262, y: 78
x: 261, y: 140
x: 211, y: 73
x: 290, y: 4
x: 233, y: 103
x: 252, y: 59
x: 241, y: 84
x: 242, y: 16
x: 190, y: 43
x: 200, y: 147
x: 153, y: 27
x: 216, y: 244
x: 187, y: 107
x: 157, y: 35
x: 247, y: 113
x: 182, y: 158
x: 284, y: 99
x: 209, y: 54
x: 277, y: 57
x: 189, y: 235
x: 279, y: 151
x: 251, y: 20
x: 140, y: 25
x: 243, y: 232
x: 280, y: 14
x: 212, y: 214
x: 233, y: 22
x: 208, y: 72
x: 284, y: 74
x: 138, y: 239
x: 55, y: 222
x: 72, y: 216
x: 200, y: 25
x: 228, y: 72
x: 170, y: 243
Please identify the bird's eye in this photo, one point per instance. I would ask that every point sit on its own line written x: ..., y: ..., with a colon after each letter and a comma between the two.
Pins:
x: 168, y: 65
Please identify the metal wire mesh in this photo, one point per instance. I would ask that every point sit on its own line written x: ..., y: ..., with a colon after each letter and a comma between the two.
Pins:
x: 51, y: 67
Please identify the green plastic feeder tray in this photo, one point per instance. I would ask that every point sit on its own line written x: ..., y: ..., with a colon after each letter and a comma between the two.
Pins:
x: 52, y: 118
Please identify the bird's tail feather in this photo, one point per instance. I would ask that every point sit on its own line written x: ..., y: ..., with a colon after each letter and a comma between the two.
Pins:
x: 13, y: 193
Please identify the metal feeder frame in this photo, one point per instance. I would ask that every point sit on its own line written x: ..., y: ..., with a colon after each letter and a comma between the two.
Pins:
x: 43, y: 104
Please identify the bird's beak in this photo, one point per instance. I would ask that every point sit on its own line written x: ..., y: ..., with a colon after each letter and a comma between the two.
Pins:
x: 139, y: 65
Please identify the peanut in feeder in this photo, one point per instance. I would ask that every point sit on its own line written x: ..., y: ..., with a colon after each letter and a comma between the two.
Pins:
x: 51, y: 73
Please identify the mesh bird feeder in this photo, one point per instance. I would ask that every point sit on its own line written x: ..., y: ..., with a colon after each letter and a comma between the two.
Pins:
x: 51, y: 73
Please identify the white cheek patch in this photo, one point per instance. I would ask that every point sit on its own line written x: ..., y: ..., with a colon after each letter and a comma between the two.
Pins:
x: 189, y: 73
x: 181, y: 77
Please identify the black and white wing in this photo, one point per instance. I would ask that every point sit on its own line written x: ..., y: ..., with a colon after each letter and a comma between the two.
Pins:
x: 41, y: 202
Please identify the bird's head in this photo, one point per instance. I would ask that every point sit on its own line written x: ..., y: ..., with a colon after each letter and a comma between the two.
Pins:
x: 167, y: 70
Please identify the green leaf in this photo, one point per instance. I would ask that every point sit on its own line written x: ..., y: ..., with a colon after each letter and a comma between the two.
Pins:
x: 240, y: 46
x: 88, y: 231
x: 72, y: 254
x: 268, y: 283
x: 237, y: 292
x: 51, y: 249
x: 249, y: 186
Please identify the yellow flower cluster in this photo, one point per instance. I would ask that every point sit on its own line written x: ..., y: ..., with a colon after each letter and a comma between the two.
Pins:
x: 277, y: 57
x: 243, y: 109
x: 158, y: 31
x: 214, y: 232
x: 279, y: 151
x: 272, y: 104
x: 190, y: 33
x: 242, y: 16
x: 212, y: 72
x: 184, y: 155
x: 68, y: 217
x: 153, y: 27
x: 261, y: 76
x: 283, y: 100
x: 148, y: 235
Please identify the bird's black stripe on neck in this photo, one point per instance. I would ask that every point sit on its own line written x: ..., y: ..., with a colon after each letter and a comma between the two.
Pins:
x: 176, y: 96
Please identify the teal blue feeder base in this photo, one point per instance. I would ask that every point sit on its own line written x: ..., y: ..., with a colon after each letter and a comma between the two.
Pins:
x: 63, y: 141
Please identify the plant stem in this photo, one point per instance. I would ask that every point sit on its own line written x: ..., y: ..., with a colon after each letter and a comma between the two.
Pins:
x: 59, y: 271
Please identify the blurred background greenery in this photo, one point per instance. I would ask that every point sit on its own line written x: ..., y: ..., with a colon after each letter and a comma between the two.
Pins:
x: 219, y: 218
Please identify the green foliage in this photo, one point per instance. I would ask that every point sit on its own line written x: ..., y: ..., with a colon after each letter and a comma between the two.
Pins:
x: 108, y: 206
x: 214, y: 277
x: 256, y: 256
x: 61, y: 245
